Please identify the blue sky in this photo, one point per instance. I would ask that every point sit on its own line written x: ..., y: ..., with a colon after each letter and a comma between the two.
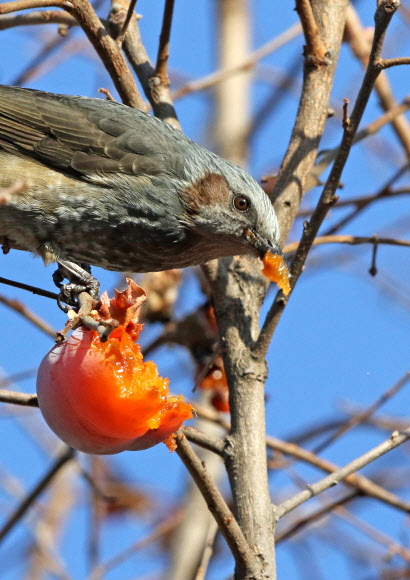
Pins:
x: 344, y: 335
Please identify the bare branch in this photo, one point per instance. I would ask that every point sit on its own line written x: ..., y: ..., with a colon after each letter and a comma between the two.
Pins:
x: 157, y: 93
x: 364, y: 415
x: 326, y: 157
x: 362, y: 201
x: 351, y: 240
x: 19, y: 512
x: 396, y: 439
x: 355, y: 32
x: 130, y: 12
x: 29, y: 288
x: 34, y: 18
x: 16, y: 5
x: 22, y: 309
x: 245, y: 559
x: 163, y: 49
x: 247, y: 64
x: 360, y: 482
x: 208, y: 549
x: 315, y: 516
x: 383, y: 16
x: 388, y: 63
x: 109, y: 53
x: 315, y: 50
x: 105, y: 46
x: 16, y: 398
x: 204, y: 440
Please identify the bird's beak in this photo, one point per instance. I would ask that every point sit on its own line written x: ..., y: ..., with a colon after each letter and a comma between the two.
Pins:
x: 262, y: 246
x: 271, y: 254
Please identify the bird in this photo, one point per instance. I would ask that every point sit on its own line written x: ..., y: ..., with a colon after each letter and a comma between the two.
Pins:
x: 114, y: 187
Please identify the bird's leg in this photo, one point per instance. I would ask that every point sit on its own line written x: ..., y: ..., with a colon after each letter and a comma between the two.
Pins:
x: 80, y: 280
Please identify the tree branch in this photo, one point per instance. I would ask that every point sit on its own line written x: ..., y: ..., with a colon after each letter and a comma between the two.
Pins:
x: 29, y: 288
x: 383, y: 16
x: 161, y: 69
x: 355, y: 33
x: 246, y: 561
x: 34, y: 18
x: 157, y: 93
x: 247, y: 64
x: 19, y: 512
x: 396, y: 439
x: 204, y: 440
x: 127, y: 20
x: 388, y: 63
x: 360, y: 482
x: 104, y: 45
x: 351, y: 240
x: 22, y: 309
x: 315, y: 50
x: 16, y: 398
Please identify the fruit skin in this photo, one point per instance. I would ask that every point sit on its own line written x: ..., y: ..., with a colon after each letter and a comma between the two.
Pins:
x: 101, y: 398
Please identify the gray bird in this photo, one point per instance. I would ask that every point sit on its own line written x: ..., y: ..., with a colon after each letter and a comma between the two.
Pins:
x: 114, y: 187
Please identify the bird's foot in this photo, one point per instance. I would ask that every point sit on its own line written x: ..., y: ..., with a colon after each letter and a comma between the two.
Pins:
x: 80, y: 280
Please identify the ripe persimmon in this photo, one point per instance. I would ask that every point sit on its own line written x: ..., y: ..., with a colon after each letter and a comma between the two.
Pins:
x: 100, y: 397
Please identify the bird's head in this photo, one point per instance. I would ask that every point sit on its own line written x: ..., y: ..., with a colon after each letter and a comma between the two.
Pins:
x: 227, y: 206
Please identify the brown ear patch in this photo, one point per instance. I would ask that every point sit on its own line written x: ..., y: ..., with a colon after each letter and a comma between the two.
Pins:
x: 212, y: 189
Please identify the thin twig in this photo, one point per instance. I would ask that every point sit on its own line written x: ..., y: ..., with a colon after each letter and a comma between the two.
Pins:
x: 365, y: 414
x: 315, y: 50
x: 388, y: 63
x: 130, y: 12
x: 356, y: 211
x: 157, y: 93
x: 247, y: 64
x: 371, y: 532
x: 29, y: 288
x: 163, y: 49
x: 158, y: 532
x: 19, y: 512
x: 360, y: 482
x: 325, y: 158
x: 356, y: 34
x: 396, y: 439
x: 204, y: 440
x: 362, y: 201
x: 37, y: 17
x: 16, y: 5
x: 315, y: 516
x: 105, y: 46
x: 383, y: 16
x: 16, y: 398
x: 350, y: 240
x: 22, y: 309
x: 245, y: 559
x: 208, y: 549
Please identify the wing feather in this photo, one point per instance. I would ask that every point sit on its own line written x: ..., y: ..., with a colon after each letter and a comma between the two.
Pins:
x: 89, y: 137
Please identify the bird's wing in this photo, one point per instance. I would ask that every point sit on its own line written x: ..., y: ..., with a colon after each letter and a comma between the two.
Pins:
x: 90, y: 137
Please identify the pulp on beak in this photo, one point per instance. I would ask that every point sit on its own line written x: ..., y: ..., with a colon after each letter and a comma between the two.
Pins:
x: 275, y: 267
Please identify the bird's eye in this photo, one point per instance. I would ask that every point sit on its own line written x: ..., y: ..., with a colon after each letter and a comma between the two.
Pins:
x: 242, y: 203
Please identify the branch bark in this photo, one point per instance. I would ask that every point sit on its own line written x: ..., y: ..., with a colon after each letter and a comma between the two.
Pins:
x: 383, y: 16
x: 333, y: 479
x: 238, y: 292
x: 247, y: 563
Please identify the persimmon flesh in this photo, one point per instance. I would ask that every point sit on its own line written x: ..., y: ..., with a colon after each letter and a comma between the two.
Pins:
x: 276, y: 270
x: 102, y: 398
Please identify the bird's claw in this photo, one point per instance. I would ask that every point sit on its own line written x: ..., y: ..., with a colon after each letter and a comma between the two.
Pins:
x: 80, y: 280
